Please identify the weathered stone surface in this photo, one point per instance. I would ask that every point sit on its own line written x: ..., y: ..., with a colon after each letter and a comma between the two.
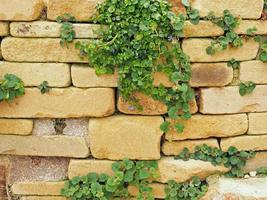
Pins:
x: 16, y: 126
x: 33, y: 74
x: 237, y: 189
x: 51, y: 29
x: 205, y: 126
x: 82, y: 10
x: 39, y: 50
x: 150, y: 106
x: 61, y: 103
x: 260, y: 25
x: 255, y: 143
x: 158, y: 190
x: 3, y: 193
x: 255, y: 71
x: 180, y: 171
x: 4, y: 29
x: 257, y: 123
x: 202, y: 29
x: 228, y: 100
x: 196, y: 49
x: 37, y: 188
x: 44, y: 146
x: 211, y: 74
x: 260, y: 160
x: 175, y: 148
x: 240, y: 8
x: 26, y: 10
x: 43, y: 198
x: 83, y: 167
x: 119, y: 137
x: 85, y: 76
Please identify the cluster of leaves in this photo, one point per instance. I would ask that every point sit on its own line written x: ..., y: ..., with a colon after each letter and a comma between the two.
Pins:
x: 263, y: 48
x: 233, y: 159
x: 142, y: 38
x: 233, y: 63
x: 228, y: 23
x: 67, y: 33
x: 192, y: 190
x: 265, y: 5
x: 192, y: 14
x: 104, y: 187
x: 262, y: 171
x: 246, y: 88
x: 43, y: 87
x: 11, y: 87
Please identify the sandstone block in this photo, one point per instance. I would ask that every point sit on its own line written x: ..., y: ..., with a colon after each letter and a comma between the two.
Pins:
x: 228, y: 100
x: 205, y: 126
x: 180, y: 171
x: 202, y: 29
x: 82, y: 10
x: 43, y: 198
x: 255, y: 71
x: 26, y: 10
x: 39, y: 50
x: 85, y: 76
x: 83, y: 167
x: 257, y: 123
x: 37, y: 188
x: 61, y: 103
x: 260, y: 160
x: 4, y: 29
x: 196, y: 49
x: 16, y: 126
x: 175, y: 148
x: 255, y: 143
x: 33, y: 74
x: 150, y: 106
x: 260, y: 25
x: 44, y: 146
x: 240, y: 8
x: 44, y: 29
x: 120, y: 137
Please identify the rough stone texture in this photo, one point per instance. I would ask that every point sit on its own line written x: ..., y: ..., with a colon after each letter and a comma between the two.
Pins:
x: 51, y: 29
x: 255, y: 71
x: 37, y: 188
x: 240, y: 8
x: 43, y: 198
x: 4, y: 29
x: 33, y: 169
x: 83, y: 10
x: 203, y: 29
x: 3, y: 193
x: 237, y: 189
x: 150, y: 106
x: 85, y: 76
x: 16, y: 126
x: 44, y: 146
x: 260, y: 160
x: 26, y: 10
x: 175, y: 148
x: 205, y: 126
x: 158, y: 190
x: 33, y: 74
x: 196, y: 49
x: 255, y: 143
x: 61, y: 103
x: 119, y: 137
x: 180, y: 171
x: 83, y: 167
x: 228, y: 100
x: 257, y: 123
x: 261, y: 26
x: 39, y: 50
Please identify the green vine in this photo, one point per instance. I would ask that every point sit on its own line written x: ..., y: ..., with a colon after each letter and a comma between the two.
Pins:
x: 246, y: 88
x: 11, y: 87
x: 43, y: 87
x: 104, y: 187
x: 143, y: 38
x: 192, y: 14
x: 191, y: 190
x: 228, y: 23
x: 233, y: 63
x: 67, y: 33
x: 233, y: 159
x: 265, y: 5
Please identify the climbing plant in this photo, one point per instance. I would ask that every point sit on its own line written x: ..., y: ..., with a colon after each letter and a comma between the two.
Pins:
x: 11, y: 87
x: 233, y: 159
x: 67, y: 33
x: 143, y: 38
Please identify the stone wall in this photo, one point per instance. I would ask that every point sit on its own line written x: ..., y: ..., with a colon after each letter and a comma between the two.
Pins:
x: 82, y: 125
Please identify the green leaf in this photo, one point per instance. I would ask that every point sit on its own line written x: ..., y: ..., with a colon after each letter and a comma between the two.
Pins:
x: 165, y: 126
